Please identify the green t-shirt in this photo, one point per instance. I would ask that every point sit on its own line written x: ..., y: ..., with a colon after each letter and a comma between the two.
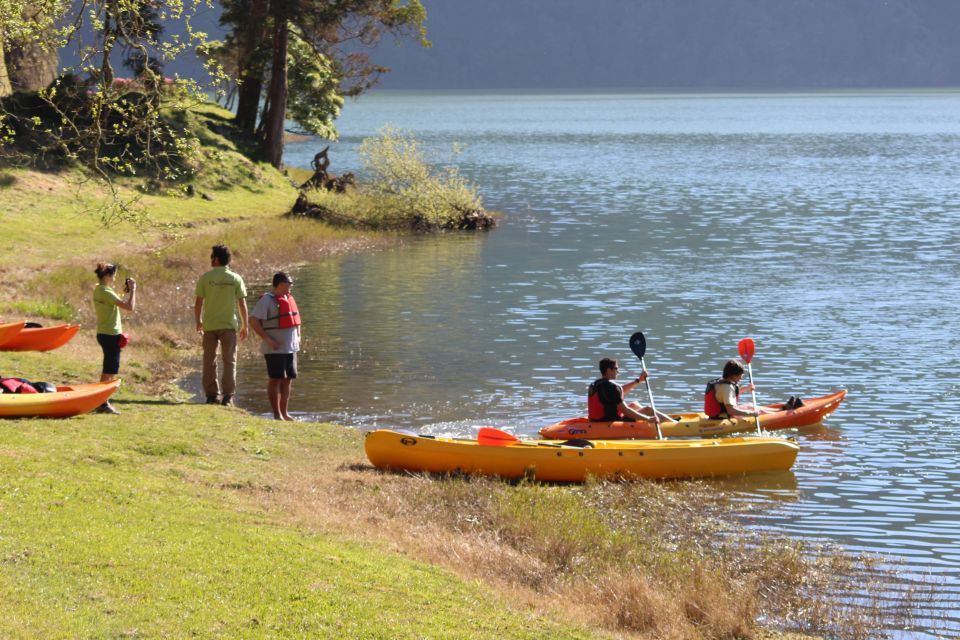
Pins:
x: 105, y: 302
x: 220, y: 289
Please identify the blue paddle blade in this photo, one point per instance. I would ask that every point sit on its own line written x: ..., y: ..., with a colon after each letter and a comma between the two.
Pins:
x: 638, y: 344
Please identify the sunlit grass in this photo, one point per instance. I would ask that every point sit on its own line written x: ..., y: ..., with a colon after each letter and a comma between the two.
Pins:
x: 52, y: 309
x: 146, y: 525
x: 664, y: 560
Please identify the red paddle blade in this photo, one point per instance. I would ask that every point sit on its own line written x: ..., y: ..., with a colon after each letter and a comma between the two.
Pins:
x: 746, y: 348
x: 495, y: 437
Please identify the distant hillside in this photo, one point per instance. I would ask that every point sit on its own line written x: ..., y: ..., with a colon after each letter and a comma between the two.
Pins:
x: 685, y: 44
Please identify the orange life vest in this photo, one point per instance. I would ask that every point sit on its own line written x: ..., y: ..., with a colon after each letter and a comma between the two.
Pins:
x: 287, y: 313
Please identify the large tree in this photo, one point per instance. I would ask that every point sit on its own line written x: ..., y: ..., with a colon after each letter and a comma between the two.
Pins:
x: 5, y: 87
x: 32, y: 63
x: 89, y: 115
x: 274, y: 39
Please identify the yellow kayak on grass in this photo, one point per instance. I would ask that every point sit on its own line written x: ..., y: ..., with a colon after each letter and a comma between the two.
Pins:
x: 68, y: 400
x: 553, y: 461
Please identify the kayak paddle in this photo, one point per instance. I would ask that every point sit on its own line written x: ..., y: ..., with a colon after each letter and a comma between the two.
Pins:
x: 495, y: 437
x: 747, y: 349
x: 638, y: 344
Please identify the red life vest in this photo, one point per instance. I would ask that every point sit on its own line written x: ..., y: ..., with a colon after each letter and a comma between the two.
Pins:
x: 712, y: 406
x: 287, y: 313
x: 596, y: 410
x: 15, y: 385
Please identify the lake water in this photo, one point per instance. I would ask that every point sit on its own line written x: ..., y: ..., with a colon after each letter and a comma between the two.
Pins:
x: 824, y: 226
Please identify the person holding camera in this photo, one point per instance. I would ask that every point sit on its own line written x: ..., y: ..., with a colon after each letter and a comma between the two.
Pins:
x: 107, y: 304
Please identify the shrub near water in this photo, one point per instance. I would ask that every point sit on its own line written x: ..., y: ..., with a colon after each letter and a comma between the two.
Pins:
x: 403, y: 190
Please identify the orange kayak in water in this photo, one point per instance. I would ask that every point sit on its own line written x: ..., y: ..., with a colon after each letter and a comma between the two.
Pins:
x: 554, y: 461
x: 9, y: 330
x: 697, y: 424
x: 68, y: 400
x: 40, y: 339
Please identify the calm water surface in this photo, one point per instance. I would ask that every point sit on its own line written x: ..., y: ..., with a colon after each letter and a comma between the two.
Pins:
x: 823, y: 226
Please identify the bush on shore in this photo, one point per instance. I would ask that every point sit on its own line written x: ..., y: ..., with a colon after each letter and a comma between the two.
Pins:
x: 403, y: 190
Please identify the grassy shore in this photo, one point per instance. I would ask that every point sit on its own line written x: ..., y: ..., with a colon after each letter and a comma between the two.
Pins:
x: 152, y: 524
x: 176, y: 519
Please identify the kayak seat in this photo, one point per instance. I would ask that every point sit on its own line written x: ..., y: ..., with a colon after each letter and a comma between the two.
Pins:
x: 579, y: 442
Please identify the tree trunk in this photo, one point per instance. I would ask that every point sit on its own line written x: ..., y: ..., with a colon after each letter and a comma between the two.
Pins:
x: 250, y: 65
x: 5, y: 88
x: 31, y: 65
x: 272, y: 150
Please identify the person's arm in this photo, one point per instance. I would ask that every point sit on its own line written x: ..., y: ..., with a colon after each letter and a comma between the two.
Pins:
x: 197, y: 311
x: 258, y: 329
x: 130, y: 304
x: 736, y: 412
x: 244, y: 318
x: 629, y: 386
x: 729, y: 402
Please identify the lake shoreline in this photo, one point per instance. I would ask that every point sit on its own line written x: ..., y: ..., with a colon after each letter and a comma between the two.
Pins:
x: 256, y: 467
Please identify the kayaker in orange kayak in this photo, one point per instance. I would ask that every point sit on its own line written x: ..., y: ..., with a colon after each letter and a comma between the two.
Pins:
x: 721, y: 397
x: 605, y: 398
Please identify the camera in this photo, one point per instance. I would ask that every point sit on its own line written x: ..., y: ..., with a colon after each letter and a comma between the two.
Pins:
x: 126, y: 284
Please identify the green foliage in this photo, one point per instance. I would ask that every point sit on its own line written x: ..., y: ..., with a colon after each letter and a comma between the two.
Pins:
x: 407, y: 186
x: 326, y: 44
x: 314, y: 102
x: 403, y: 191
x: 53, y: 309
x: 22, y: 21
x: 113, y: 126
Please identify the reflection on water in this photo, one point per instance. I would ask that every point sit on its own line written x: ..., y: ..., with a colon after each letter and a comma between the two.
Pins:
x: 825, y: 227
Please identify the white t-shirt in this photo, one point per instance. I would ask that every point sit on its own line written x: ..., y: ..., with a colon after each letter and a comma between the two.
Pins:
x: 725, y: 394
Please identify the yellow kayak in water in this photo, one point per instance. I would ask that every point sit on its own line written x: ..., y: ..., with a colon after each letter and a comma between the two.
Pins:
x: 553, y: 461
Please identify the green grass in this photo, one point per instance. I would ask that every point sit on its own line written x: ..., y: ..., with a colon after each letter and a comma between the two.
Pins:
x: 148, y: 525
x: 53, y: 309
x: 168, y: 520
x: 44, y: 214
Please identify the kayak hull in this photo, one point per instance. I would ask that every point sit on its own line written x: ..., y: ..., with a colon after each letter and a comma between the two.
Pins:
x: 555, y: 462
x: 67, y: 401
x: 41, y: 339
x: 9, y: 330
x: 813, y: 411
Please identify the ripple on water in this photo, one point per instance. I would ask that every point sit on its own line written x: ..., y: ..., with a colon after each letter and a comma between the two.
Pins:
x: 823, y: 227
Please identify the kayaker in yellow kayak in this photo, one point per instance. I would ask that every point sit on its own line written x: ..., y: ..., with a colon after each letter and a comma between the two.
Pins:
x: 605, y: 401
x: 722, y: 395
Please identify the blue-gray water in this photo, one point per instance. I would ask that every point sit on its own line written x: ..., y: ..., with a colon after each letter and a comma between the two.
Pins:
x: 823, y: 226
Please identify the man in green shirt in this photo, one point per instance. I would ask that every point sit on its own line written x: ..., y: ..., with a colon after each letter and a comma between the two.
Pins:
x: 220, y: 294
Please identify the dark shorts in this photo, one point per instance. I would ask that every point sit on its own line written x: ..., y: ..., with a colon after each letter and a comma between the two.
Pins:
x: 111, y: 353
x: 281, y: 365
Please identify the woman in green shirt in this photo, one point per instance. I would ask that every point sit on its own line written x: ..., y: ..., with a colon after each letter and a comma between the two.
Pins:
x: 107, y: 303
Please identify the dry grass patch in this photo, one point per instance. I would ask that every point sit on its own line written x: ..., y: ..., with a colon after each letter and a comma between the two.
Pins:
x: 167, y: 272
x: 650, y: 560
